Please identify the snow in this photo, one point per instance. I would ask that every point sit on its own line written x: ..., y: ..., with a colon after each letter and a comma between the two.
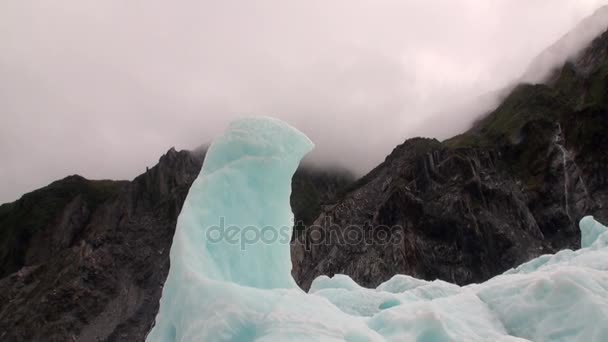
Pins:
x: 228, y: 281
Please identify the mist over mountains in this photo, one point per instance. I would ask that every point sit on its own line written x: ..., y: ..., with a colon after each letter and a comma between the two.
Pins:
x: 459, y: 116
x: 102, y: 88
x: 87, y: 260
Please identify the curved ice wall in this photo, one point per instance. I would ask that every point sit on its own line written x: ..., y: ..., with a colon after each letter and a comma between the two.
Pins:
x: 226, y: 286
x: 236, y: 222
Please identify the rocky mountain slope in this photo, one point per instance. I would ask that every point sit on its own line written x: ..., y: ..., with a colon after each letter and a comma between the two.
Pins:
x: 511, y: 188
x: 86, y: 260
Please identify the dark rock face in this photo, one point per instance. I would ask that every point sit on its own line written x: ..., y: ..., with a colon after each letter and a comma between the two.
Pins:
x: 47, y: 220
x: 456, y: 214
x: 104, y: 282
x: 313, y: 188
x: 95, y: 273
x: 510, y: 189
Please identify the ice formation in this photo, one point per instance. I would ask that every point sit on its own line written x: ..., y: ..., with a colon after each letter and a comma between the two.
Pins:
x: 228, y: 283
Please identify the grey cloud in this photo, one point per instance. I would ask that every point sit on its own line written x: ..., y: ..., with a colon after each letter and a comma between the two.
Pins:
x: 102, y: 88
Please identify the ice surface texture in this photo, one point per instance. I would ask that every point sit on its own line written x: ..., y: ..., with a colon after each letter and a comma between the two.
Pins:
x: 239, y: 288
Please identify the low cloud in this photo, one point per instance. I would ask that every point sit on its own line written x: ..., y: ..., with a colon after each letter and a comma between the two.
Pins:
x: 102, y: 88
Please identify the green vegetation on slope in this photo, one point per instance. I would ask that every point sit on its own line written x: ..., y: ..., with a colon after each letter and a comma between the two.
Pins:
x: 525, y: 125
x: 525, y: 103
x: 312, y: 188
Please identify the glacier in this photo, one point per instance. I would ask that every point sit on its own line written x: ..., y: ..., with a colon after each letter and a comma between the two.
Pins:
x: 230, y: 274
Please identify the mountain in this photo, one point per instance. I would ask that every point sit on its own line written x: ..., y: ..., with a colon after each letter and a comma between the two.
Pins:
x: 512, y: 187
x: 548, y: 63
x: 545, y: 67
x: 86, y: 260
x: 25, y: 238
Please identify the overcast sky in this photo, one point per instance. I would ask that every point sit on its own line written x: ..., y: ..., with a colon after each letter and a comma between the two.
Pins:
x: 103, y: 88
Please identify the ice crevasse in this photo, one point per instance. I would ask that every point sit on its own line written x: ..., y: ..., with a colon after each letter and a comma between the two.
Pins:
x: 226, y: 285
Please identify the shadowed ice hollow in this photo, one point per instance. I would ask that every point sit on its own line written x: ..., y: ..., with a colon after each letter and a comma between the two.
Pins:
x: 230, y: 275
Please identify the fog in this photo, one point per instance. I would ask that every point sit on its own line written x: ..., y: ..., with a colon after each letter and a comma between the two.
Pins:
x: 103, y: 88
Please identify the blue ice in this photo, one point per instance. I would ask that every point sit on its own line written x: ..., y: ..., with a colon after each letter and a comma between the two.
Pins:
x: 230, y: 275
